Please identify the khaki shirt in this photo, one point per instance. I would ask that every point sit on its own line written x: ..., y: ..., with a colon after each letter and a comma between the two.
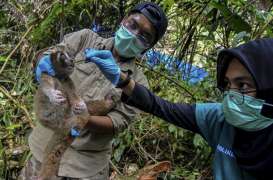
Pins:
x: 91, y: 152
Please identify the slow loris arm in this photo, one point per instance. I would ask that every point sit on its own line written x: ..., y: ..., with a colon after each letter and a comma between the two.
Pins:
x: 47, y: 84
x: 97, y: 121
x: 71, y: 90
x: 48, y: 87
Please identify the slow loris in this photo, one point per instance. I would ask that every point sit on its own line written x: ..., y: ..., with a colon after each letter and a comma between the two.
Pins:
x: 58, y: 107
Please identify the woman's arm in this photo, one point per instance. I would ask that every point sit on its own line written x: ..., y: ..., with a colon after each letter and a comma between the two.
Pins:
x: 182, y: 115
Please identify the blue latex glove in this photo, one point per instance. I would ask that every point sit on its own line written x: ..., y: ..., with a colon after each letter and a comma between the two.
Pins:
x: 106, y: 63
x: 74, y: 132
x: 44, y: 65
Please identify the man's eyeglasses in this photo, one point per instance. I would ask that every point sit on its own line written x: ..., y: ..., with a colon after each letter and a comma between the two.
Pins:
x: 133, y: 28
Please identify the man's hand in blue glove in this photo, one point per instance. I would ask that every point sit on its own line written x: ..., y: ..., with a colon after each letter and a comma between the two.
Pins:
x: 106, y: 63
x: 74, y: 132
x: 44, y: 65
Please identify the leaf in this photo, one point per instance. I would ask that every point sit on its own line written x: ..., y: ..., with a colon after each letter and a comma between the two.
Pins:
x: 234, y: 21
x: 3, y: 102
x: 198, y: 141
x: 181, y: 132
x: 118, y: 152
x: 128, y: 138
x: 240, y: 37
x: 13, y: 126
x: 213, y: 21
x: 168, y: 4
x: 172, y: 128
x: 151, y: 172
x: 2, y: 59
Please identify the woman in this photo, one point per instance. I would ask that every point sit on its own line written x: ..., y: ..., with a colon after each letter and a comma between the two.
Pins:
x: 240, y: 129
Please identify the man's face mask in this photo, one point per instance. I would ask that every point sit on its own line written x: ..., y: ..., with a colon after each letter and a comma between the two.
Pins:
x: 244, y: 111
x: 127, y: 44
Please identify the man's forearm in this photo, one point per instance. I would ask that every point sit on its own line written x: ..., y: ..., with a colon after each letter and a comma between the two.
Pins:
x: 100, y: 124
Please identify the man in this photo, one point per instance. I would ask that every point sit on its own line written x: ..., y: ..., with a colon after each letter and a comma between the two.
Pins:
x: 88, y: 156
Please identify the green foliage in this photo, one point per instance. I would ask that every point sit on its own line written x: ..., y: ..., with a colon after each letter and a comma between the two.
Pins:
x: 77, y: 15
x: 16, y: 92
x: 234, y: 21
x: 47, y: 27
x: 3, y: 19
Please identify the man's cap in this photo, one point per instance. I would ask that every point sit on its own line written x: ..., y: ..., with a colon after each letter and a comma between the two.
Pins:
x: 155, y: 15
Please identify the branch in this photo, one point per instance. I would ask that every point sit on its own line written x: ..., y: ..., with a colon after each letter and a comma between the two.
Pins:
x: 115, y: 168
x: 167, y: 77
x: 263, y: 29
x: 16, y: 47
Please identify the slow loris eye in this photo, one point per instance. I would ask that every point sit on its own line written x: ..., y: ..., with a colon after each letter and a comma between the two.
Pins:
x: 62, y: 60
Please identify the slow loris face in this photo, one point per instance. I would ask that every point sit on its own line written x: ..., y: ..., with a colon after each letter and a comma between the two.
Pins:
x: 62, y: 63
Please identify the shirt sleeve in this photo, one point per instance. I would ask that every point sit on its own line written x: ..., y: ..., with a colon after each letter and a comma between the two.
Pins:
x: 210, y: 120
x: 124, y: 114
x: 182, y: 115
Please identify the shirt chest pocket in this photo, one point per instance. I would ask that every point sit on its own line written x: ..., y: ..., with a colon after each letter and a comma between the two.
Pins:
x: 100, y: 88
x: 90, y: 82
x: 84, y: 76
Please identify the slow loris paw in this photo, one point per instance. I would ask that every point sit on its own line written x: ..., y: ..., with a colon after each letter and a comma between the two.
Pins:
x: 79, y: 107
x: 56, y: 97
